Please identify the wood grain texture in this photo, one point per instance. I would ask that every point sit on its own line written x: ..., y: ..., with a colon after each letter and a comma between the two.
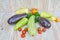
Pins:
x: 8, y: 8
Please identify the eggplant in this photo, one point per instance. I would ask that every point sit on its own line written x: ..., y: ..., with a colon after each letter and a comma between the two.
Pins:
x: 14, y: 19
x: 44, y: 22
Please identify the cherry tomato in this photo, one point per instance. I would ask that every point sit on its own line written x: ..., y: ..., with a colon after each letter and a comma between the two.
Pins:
x: 19, y: 29
x: 39, y: 29
x: 39, y: 32
x: 43, y: 29
x: 22, y: 35
x: 23, y: 32
x: 26, y: 29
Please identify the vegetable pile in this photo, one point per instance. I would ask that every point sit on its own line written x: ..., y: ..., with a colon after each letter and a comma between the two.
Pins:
x: 25, y: 17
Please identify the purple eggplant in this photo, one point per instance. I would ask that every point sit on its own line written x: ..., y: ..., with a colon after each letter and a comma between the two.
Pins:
x: 14, y: 19
x: 44, y: 22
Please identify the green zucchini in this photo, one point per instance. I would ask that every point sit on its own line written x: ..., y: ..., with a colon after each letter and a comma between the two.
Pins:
x: 21, y: 23
x: 32, y: 26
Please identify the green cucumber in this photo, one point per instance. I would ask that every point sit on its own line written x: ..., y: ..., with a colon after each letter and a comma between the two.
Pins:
x: 21, y: 23
x: 32, y: 26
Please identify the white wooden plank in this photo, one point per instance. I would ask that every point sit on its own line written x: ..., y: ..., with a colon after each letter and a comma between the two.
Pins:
x: 8, y: 8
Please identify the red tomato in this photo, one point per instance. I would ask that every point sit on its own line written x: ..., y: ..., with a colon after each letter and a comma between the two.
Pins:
x: 43, y: 29
x: 23, y: 32
x: 39, y: 29
x: 19, y: 29
x: 26, y: 29
x: 39, y: 32
x: 22, y: 35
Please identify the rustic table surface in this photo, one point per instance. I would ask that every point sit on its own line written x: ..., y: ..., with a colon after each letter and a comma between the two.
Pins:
x: 8, y: 8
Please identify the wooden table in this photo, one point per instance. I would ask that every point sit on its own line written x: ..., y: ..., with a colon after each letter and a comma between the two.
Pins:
x: 8, y: 8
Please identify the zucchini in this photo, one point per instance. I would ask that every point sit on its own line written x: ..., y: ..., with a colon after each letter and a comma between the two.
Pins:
x: 32, y: 26
x: 45, y: 15
x: 22, y: 10
x: 21, y: 23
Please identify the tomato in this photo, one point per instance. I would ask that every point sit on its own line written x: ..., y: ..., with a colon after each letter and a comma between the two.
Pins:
x: 34, y: 10
x: 39, y: 32
x: 26, y: 29
x: 22, y: 35
x: 43, y: 29
x: 19, y: 29
x: 23, y: 32
x: 39, y: 29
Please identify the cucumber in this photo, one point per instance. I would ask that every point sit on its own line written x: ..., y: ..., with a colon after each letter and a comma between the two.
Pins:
x: 21, y: 23
x: 32, y: 26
